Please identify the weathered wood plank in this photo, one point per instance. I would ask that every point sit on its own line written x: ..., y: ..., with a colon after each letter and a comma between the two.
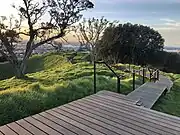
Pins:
x: 147, y: 99
x: 141, y: 110
x: 75, y: 123
x: 132, y: 116
x: 105, y: 120
x: 167, y: 125
x: 30, y: 127
x: 7, y: 131
x: 53, y: 125
x: 150, y: 92
x: 64, y: 124
x: 1, y: 133
x: 42, y: 126
x: 88, y: 121
x: 116, y: 96
x: 121, y: 117
x: 34, y: 130
x: 18, y: 129
x: 116, y: 99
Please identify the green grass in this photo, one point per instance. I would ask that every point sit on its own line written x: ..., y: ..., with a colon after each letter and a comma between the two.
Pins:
x: 171, y: 102
x: 52, y: 81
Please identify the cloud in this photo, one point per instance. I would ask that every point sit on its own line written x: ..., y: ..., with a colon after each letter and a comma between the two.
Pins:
x: 165, y: 28
x: 167, y: 24
x: 167, y: 20
x: 173, y: 24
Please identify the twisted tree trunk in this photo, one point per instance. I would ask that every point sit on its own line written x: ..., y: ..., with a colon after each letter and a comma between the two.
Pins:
x: 21, y: 66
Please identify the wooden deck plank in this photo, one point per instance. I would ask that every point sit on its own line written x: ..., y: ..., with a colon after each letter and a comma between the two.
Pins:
x: 42, y: 126
x: 130, y: 109
x: 150, y: 92
x: 1, y: 133
x: 141, y: 110
x: 64, y: 124
x: 117, y: 96
x: 166, y: 124
x: 115, y: 99
x: 18, y: 129
x: 34, y: 130
x: 120, y: 117
x: 7, y: 131
x: 126, y: 106
x: 134, y: 118
x: 116, y: 125
x: 164, y: 128
x: 114, y: 95
x: 53, y: 125
x: 93, y: 123
x: 147, y: 99
x: 75, y: 123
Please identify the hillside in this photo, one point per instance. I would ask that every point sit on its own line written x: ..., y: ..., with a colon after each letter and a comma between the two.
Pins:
x: 52, y: 81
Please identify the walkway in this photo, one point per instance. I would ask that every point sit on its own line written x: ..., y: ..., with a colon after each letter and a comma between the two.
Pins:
x: 104, y: 113
x: 150, y: 92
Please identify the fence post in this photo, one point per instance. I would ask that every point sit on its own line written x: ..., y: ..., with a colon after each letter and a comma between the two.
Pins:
x: 150, y: 76
x: 134, y: 75
x: 94, y: 77
x: 158, y: 75
x: 143, y: 75
x: 118, y: 84
x: 139, y: 71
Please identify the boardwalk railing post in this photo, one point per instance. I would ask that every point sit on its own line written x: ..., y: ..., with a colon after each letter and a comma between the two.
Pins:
x: 139, y: 71
x: 143, y: 75
x: 118, y: 77
x: 150, y: 76
x: 94, y: 77
x: 118, y: 84
x: 158, y: 75
x: 134, y: 75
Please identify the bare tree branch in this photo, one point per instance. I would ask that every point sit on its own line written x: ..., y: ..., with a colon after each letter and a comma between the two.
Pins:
x: 89, y: 32
x: 62, y: 14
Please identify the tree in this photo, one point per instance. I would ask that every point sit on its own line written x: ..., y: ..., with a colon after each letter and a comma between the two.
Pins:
x: 62, y: 14
x: 89, y: 32
x: 128, y: 43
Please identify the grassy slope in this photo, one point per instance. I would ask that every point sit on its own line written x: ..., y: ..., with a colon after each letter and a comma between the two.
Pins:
x: 52, y: 82
x: 171, y: 102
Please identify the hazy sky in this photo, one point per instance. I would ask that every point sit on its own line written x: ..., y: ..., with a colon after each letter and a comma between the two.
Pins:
x: 162, y: 15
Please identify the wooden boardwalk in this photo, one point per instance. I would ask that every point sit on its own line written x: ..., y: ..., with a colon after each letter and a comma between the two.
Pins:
x: 104, y: 113
x: 150, y: 92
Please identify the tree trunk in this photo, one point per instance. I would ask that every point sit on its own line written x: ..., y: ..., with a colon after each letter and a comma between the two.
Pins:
x: 19, y: 72
x: 22, y: 66
x: 20, y: 69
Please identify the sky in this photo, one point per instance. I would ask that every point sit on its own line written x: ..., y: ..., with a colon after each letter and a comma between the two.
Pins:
x: 162, y: 15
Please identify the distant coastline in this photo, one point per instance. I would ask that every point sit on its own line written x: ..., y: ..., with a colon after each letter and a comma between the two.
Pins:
x: 172, y: 48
